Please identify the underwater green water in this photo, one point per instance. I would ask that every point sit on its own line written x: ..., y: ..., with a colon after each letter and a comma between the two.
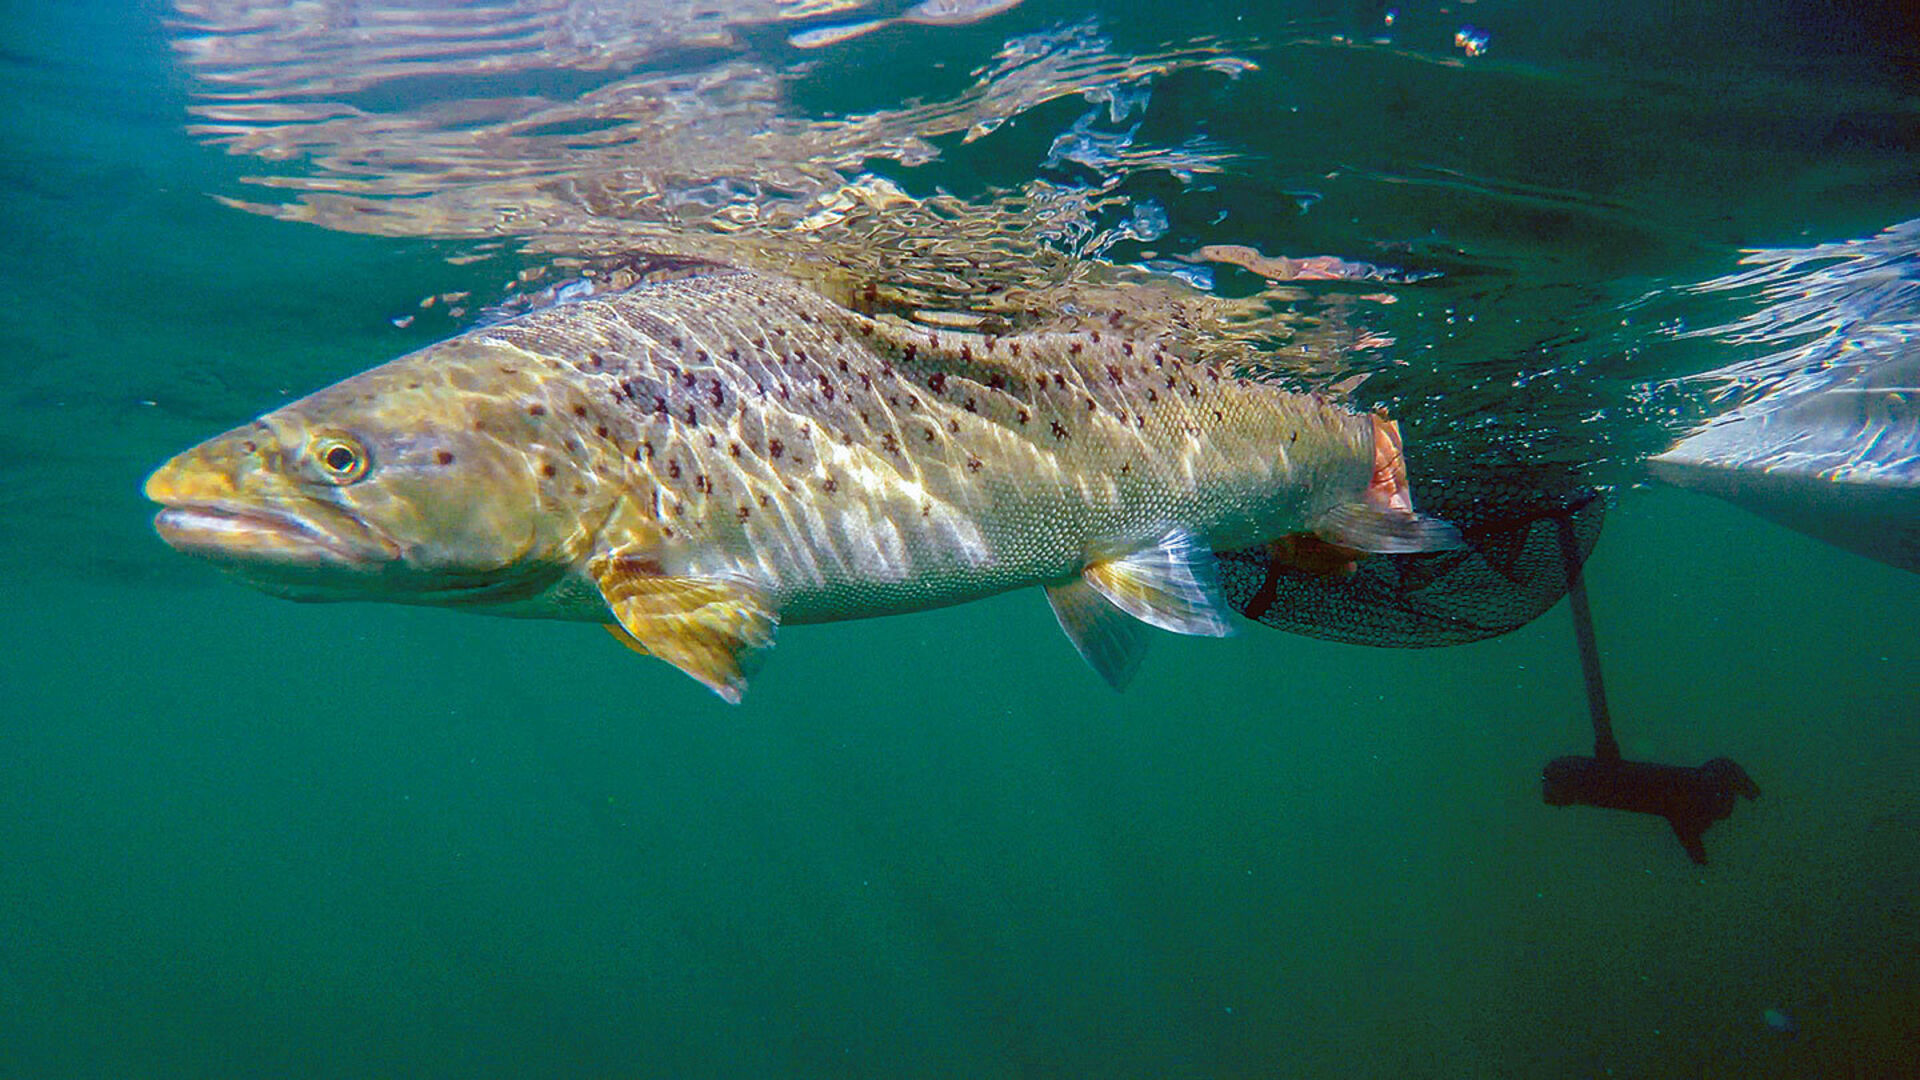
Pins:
x: 242, y: 837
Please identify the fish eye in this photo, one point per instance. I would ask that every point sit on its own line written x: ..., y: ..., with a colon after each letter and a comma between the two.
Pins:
x: 342, y: 461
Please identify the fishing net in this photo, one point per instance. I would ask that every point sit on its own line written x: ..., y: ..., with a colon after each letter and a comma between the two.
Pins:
x: 1524, y: 527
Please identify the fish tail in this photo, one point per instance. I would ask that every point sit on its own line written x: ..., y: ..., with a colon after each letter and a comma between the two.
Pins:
x: 1384, y: 521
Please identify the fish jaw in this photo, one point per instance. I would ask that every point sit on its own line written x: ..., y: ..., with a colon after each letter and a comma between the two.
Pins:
x: 219, y: 503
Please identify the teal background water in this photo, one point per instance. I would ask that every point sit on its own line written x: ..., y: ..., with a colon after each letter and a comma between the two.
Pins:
x: 245, y: 837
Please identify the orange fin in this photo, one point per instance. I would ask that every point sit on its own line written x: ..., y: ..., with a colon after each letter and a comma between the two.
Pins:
x: 1384, y: 521
x: 707, y: 627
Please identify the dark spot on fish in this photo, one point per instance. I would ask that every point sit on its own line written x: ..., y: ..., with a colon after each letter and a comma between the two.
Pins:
x: 249, y: 446
x: 1214, y: 374
x: 676, y: 343
x: 973, y: 463
x: 1113, y: 319
x: 966, y: 353
x: 595, y: 359
x: 734, y: 449
x: 660, y: 407
x: 929, y: 432
x: 443, y: 458
x: 1292, y: 437
x: 1217, y: 418
x: 733, y: 354
x: 1126, y: 467
x: 764, y: 499
x: 968, y: 405
x: 1126, y: 346
x: 679, y: 510
x: 1058, y: 431
x: 1192, y: 389
x: 692, y: 417
x: 646, y: 450
x: 775, y: 447
x: 1095, y: 334
x: 579, y: 410
x: 953, y: 426
x: 673, y: 468
x: 1113, y: 375
x: 926, y: 509
x: 702, y: 484
x: 866, y: 328
x: 1073, y: 349
x: 1015, y: 346
x: 1059, y: 380
x: 843, y: 365
x: 547, y: 470
x: 996, y: 381
x: 712, y: 439
x: 579, y: 489
x: 687, y: 380
x: 1172, y: 382
x: 700, y: 355
x: 888, y: 443
x: 744, y: 512
x: 830, y: 484
x: 509, y: 371
x: 1025, y: 416
x: 600, y: 430
x: 536, y: 410
x: 910, y: 352
x: 779, y: 330
x: 1152, y: 394
x: 1089, y: 404
x: 938, y: 382
x: 667, y: 530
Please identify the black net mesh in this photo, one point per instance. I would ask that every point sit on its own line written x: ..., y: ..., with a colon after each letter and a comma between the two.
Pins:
x: 1520, y: 525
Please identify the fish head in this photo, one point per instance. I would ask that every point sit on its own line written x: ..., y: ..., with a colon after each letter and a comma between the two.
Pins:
x: 383, y: 486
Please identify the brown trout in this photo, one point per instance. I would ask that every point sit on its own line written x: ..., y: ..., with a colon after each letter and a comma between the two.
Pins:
x: 696, y: 461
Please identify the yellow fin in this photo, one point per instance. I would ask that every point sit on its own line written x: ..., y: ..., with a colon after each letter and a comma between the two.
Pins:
x: 1170, y: 585
x: 706, y: 627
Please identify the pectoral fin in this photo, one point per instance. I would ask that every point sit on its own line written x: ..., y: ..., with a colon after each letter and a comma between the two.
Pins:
x: 1171, y: 585
x: 710, y: 628
x: 1110, y: 641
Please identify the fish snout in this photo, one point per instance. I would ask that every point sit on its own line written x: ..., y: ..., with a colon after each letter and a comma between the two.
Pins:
x: 223, y: 500
x: 193, y: 477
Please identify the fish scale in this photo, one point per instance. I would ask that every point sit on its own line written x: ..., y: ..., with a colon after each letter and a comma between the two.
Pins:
x: 701, y: 458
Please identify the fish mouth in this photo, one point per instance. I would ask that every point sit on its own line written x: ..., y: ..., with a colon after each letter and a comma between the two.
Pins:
x: 256, y: 535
